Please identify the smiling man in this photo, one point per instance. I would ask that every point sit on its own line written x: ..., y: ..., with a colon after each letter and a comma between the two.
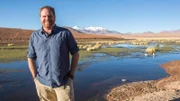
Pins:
x: 51, y: 46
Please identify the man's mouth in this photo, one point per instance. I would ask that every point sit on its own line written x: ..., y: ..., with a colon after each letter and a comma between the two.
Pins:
x: 48, y: 22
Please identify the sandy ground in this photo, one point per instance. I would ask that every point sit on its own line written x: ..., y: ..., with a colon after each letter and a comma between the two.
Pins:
x: 166, y: 89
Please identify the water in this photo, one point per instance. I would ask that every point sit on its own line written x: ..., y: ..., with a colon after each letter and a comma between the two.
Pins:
x: 103, y: 74
x: 16, y: 83
x: 129, y: 46
x: 92, y: 79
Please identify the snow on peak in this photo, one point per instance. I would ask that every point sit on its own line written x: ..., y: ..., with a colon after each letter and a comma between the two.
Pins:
x: 76, y: 27
x: 95, y: 28
x: 89, y: 28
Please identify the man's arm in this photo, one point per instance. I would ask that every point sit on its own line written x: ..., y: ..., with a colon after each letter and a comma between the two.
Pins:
x: 32, y: 67
x: 74, y: 62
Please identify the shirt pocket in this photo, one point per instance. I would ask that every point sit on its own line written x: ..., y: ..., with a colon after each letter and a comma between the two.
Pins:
x: 40, y: 47
x: 56, y: 45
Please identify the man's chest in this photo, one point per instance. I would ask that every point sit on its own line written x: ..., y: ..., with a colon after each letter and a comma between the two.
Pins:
x: 51, y: 43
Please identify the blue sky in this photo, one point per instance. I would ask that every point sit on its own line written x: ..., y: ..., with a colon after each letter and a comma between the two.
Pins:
x: 120, y: 15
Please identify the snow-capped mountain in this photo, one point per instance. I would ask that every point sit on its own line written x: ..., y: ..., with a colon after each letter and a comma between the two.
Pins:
x: 95, y: 30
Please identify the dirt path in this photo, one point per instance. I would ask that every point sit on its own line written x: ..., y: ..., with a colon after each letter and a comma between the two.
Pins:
x: 166, y: 89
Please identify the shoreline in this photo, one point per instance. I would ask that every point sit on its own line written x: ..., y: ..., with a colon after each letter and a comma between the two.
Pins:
x: 164, y: 89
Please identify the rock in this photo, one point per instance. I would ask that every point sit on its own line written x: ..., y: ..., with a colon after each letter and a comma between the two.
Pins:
x: 123, y: 80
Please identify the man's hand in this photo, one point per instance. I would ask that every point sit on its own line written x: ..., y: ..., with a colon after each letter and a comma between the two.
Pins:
x: 71, y: 75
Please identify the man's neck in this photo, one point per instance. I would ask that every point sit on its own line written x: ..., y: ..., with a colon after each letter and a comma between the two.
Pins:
x: 48, y: 30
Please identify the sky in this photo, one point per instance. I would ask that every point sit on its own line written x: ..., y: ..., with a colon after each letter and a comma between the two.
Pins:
x: 134, y: 16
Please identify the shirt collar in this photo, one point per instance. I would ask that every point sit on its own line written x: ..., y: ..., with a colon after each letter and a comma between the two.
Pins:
x: 53, y: 30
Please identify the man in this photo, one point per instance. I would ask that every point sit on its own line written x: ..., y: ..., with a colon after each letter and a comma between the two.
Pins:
x: 51, y: 46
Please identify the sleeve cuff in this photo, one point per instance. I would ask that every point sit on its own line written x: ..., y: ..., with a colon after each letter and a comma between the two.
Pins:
x: 31, y: 57
x: 75, y: 50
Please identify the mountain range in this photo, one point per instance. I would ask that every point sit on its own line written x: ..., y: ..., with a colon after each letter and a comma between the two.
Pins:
x: 102, y: 30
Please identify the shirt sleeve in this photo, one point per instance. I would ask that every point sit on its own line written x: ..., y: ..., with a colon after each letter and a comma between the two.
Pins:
x: 31, y: 51
x: 72, y: 44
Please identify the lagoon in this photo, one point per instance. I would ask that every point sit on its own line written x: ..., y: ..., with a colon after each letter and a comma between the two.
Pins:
x: 94, y: 76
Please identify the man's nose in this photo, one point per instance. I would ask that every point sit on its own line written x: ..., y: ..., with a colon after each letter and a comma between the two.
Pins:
x: 47, y: 17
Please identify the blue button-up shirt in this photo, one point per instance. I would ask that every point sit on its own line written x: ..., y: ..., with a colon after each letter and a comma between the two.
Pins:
x: 52, y: 55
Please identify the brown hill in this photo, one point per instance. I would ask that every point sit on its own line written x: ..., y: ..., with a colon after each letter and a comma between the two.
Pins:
x: 21, y: 36
x: 14, y: 35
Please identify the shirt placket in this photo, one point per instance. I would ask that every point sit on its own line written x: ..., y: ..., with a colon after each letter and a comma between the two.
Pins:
x: 48, y: 38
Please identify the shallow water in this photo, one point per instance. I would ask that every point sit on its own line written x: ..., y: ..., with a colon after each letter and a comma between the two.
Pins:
x: 93, y: 77
x: 129, y: 46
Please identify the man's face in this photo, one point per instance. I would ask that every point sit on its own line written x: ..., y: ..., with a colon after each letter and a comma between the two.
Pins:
x: 47, y: 18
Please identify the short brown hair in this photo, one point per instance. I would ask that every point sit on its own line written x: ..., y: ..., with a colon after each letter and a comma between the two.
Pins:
x: 49, y: 8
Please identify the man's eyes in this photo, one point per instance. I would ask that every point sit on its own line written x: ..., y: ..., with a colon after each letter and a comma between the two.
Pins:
x: 48, y: 16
